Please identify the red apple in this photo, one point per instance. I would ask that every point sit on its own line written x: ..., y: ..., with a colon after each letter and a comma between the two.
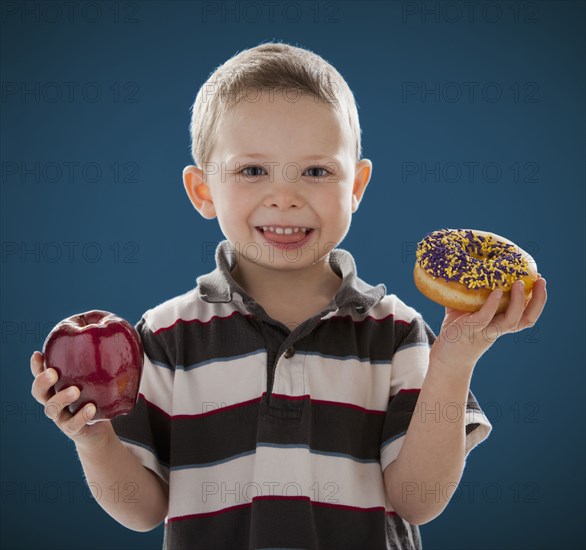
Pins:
x: 102, y: 355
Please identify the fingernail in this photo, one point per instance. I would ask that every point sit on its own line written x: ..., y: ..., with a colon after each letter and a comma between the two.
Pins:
x: 90, y: 410
x: 499, y: 292
x: 51, y: 375
x: 520, y: 283
x: 71, y: 392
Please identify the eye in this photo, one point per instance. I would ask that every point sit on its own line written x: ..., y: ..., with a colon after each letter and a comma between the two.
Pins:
x: 327, y: 172
x: 256, y: 174
x: 252, y: 167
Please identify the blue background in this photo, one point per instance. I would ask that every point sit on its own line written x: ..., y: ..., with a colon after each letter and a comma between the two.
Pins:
x: 129, y: 239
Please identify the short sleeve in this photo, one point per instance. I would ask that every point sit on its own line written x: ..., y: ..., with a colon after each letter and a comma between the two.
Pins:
x: 409, y: 366
x: 146, y: 430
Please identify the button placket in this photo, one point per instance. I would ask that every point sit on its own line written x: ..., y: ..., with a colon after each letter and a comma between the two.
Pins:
x: 300, y: 332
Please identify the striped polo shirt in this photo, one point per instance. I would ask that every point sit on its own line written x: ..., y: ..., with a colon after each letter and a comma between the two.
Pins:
x: 277, y: 438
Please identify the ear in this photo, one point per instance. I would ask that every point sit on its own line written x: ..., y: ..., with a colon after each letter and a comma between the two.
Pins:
x: 361, y: 179
x: 198, y: 192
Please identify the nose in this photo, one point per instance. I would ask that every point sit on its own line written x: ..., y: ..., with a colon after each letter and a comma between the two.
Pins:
x: 283, y: 194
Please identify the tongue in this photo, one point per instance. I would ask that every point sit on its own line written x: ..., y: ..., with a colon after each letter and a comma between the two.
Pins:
x: 285, y: 239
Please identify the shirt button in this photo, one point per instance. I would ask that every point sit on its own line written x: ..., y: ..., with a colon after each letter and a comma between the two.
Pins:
x: 290, y: 353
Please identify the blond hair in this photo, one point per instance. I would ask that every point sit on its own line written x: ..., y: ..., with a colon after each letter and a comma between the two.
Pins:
x: 268, y: 66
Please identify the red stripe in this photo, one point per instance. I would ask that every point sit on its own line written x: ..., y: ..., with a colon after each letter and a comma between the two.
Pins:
x: 282, y: 497
x: 325, y: 402
x: 371, y: 318
x: 208, y: 514
x: 258, y: 399
x: 287, y: 498
x: 190, y: 321
x: 221, y: 409
x: 290, y: 397
x: 153, y: 406
x: 351, y: 508
x: 234, y: 313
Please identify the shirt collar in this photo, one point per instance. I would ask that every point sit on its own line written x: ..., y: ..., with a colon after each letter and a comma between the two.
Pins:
x: 219, y: 285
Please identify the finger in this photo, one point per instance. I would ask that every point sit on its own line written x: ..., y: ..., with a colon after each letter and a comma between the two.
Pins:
x: 42, y: 384
x: 56, y: 407
x: 452, y: 315
x: 480, y: 319
x: 36, y: 363
x: 535, y: 306
x: 512, y: 315
x: 75, y: 425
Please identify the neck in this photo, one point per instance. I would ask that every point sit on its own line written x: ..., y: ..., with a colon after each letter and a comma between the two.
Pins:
x: 317, y: 282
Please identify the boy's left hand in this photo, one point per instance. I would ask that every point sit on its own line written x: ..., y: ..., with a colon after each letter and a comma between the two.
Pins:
x: 464, y: 337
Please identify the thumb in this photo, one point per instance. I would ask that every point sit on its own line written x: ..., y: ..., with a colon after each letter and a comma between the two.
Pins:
x: 36, y: 363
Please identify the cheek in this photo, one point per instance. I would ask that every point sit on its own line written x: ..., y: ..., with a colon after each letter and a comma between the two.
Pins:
x: 236, y: 207
x: 340, y: 202
x: 337, y: 211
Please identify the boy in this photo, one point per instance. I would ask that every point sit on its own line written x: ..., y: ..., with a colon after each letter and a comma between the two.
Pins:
x: 286, y: 403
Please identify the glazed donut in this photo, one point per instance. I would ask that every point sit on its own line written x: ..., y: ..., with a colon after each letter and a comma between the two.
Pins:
x: 459, y: 268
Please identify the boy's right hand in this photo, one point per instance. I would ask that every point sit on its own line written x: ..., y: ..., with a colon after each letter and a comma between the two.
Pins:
x: 73, y: 426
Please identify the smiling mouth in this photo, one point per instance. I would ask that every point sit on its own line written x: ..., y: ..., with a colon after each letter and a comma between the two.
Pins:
x: 279, y: 236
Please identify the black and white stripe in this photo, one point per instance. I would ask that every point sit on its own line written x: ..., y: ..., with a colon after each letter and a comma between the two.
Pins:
x: 295, y: 464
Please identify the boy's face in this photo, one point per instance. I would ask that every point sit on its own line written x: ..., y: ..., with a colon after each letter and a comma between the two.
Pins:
x: 304, y: 175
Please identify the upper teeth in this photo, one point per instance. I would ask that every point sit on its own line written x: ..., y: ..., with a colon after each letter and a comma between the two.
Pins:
x: 286, y: 231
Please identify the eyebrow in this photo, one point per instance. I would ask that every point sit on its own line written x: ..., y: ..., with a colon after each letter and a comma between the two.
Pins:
x: 317, y: 156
